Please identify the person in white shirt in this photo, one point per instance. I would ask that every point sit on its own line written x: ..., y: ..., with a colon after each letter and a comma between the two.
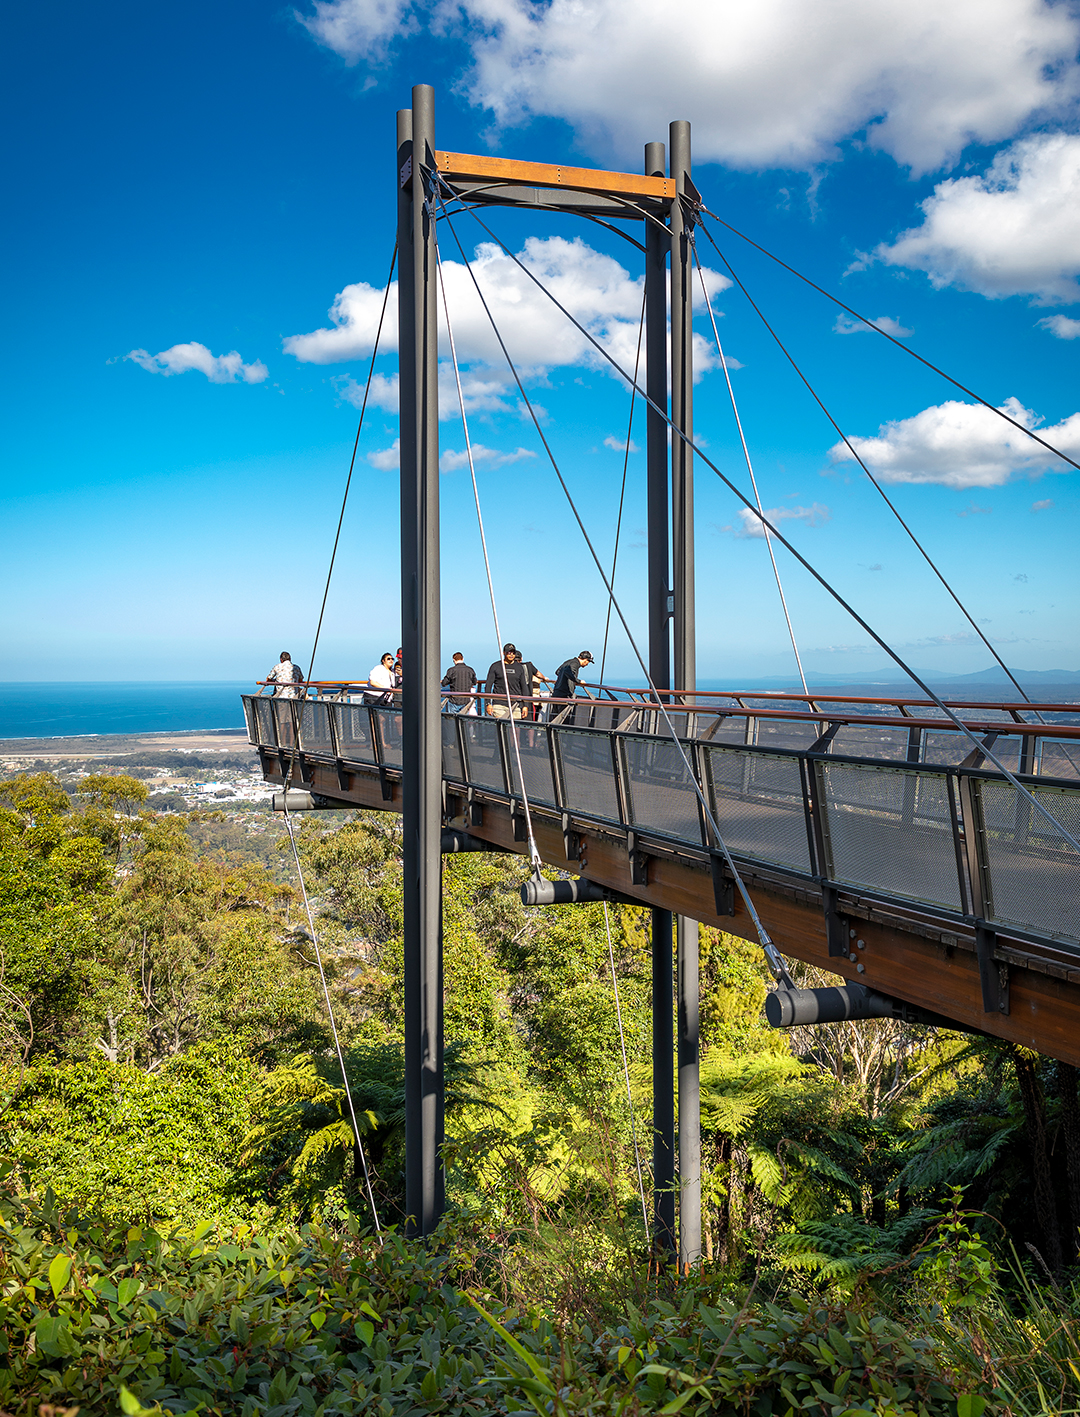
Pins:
x: 284, y: 676
x: 381, y: 682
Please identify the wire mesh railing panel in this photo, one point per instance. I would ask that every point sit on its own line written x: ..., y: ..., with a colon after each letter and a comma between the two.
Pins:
x: 859, y: 740
x: 315, y: 733
x: 387, y: 723
x: 588, y: 775
x: 1057, y: 759
x: 728, y: 730
x: 948, y: 748
x: 661, y: 790
x: 284, y: 726
x: 759, y: 806
x: 353, y: 724
x: 453, y: 764
x: 483, y: 757
x: 1034, y: 872
x: 535, y: 756
x: 784, y: 733
x: 891, y: 830
x: 259, y: 709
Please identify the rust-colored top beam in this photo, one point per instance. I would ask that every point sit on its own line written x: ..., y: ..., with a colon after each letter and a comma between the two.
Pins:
x: 545, y: 174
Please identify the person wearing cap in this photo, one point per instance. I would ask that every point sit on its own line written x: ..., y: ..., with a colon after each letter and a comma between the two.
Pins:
x: 567, y: 677
x: 507, y: 676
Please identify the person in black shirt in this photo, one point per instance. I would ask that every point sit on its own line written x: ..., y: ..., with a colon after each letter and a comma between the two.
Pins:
x: 507, y: 675
x: 459, y: 679
x: 567, y: 676
x: 534, y: 679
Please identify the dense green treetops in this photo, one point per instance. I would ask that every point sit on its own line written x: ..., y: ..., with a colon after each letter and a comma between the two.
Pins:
x: 890, y: 1213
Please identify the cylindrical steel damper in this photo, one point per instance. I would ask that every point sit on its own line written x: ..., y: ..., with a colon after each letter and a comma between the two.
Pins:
x: 785, y: 1008
x: 540, y: 892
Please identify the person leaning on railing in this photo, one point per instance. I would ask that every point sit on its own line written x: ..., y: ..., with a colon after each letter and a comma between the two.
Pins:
x: 380, y: 688
x: 567, y: 676
x: 284, y: 676
x: 507, y: 676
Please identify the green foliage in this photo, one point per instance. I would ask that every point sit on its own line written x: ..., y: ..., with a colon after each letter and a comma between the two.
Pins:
x: 137, y: 1146
x: 324, y: 1324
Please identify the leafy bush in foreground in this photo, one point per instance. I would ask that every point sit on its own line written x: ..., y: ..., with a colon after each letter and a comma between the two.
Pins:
x: 324, y: 1324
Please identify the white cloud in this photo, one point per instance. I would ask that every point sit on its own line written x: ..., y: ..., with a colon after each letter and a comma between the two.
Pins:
x: 752, y: 526
x: 359, y: 29
x: 775, y: 83
x: 1042, y: 506
x: 218, y: 368
x: 618, y: 445
x: 388, y: 459
x: 383, y: 392
x: 963, y: 445
x: 596, y: 290
x: 1061, y: 326
x: 450, y: 461
x: 1011, y: 231
x: 848, y: 325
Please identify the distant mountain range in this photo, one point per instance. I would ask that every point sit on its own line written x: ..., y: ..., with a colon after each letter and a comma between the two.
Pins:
x: 892, y: 679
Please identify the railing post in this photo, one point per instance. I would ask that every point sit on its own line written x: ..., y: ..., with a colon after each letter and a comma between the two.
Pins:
x: 421, y: 730
x: 682, y: 518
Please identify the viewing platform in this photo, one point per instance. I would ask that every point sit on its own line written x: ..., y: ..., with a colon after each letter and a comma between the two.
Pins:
x: 874, y: 840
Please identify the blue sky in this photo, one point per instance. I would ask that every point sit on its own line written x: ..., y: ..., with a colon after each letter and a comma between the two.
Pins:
x: 193, y: 188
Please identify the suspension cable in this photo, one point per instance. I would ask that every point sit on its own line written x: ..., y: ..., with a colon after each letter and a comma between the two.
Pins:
x: 749, y: 464
x: 891, y: 338
x: 626, y: 1069
x: 352, y: 464
x: 622, y: 489
x: 979, y: 744
x: 534, y: 854
x: 775, y: 960
x: 876, y: 484
x: 330, y: 1008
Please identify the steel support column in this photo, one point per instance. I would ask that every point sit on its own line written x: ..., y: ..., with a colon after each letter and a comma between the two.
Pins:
x: 682, y: 519
x: 421, y: 726
x: 656, y: 439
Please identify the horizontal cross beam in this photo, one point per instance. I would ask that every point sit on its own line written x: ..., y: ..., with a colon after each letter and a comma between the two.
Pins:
x: 475, y: 167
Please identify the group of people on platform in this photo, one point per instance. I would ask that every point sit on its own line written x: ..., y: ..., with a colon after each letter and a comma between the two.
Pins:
x: 514, y: 686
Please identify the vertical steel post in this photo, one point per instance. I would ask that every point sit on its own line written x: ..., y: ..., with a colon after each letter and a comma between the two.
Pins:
x: 656, y: 437
x: 421, y: 723
x: 682, y: 518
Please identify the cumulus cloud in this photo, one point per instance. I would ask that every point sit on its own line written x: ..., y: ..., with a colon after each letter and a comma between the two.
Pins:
x: 963, y: 445
x: 1010, y: 231
x: 594, y: 287
x: 450, y: 461
x: 752, y: 525
x: 1043, y: 505
x: 848, y: 325
x: 618, y: 445
x: 218, y: 368
x: 388, y: 458
x: 360, y: 28
x: 779, y: 83
x: 1061, y: 327
x: 383, y: 392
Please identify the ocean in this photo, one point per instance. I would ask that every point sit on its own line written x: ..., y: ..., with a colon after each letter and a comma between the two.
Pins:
x: 66, y: 710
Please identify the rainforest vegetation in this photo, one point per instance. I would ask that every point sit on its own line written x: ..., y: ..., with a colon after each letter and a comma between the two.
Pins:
x: 890, y: 1216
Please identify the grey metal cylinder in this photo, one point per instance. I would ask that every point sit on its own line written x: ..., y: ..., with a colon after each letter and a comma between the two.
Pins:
x: 454, y: 841
x: 787, y: 1008
x: 538, y: 892
x: 305, y: 802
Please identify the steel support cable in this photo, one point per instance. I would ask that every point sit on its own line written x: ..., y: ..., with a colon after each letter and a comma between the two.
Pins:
x: 891, y: 338
x: 330, y: 1011
x: 626, y: 1069
x: 352, y: 464
x: 749, y: 465
x: 877, y: 485
x: 534, y: 854
x: 622, y: 489
x: 775, y: 961
x: 986, y: 751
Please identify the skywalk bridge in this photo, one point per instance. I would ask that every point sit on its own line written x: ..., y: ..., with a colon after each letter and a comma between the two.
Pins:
x: 872, y: 838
